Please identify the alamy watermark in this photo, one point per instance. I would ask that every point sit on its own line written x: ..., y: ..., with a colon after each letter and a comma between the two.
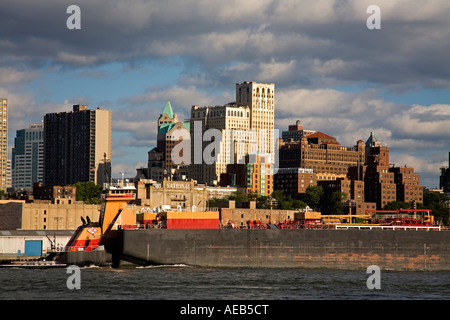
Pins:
x: 73, y: 281
x: 372, y: 22
x: 230, y: 146
x: 374, y: 280
x: 74, y: 20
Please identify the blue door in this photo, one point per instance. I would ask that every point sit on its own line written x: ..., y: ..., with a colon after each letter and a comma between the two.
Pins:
x: 33, y: 247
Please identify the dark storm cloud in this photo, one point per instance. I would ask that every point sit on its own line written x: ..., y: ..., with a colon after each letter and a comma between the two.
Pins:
x: 302, y: 46
x: 320, y: 39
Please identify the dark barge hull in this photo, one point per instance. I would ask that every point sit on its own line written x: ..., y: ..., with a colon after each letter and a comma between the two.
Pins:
x: 288, y: 248
x: 98, y: 257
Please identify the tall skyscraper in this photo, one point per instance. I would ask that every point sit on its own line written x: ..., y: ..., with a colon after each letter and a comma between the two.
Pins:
x: 246, y: 127
x: 233, y: 124
x: 77, y: 146
x: 27, y: 163
x: 160, y: 163
x: 260, y: 97
x: 3, y: 143
x: 168, y: 125
x: 444, y: 178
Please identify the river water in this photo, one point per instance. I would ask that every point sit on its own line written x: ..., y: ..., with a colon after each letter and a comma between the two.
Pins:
x: 169, y: 292
x: 190, y: 283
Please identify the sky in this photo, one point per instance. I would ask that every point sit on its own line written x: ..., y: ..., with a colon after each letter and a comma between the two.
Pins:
x: 330, y: 70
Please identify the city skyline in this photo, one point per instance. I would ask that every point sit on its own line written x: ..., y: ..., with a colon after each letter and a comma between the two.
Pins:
x: 331, y: 72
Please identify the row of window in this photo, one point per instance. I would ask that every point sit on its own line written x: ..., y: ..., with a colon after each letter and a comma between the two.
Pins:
x: 221, y: 113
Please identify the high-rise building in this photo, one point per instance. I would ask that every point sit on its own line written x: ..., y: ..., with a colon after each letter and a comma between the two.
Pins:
x: 8, y: 175
x: 3, y: 143
x: 379, y: 184
x: 163, y: 161
x: 168, y: 128
x: 444, y: 178
x: 232, y: 123
x: 254, y: 176
x: 245, y: 127
x: 77, y: 146
x: 27, y: 163
x: 322, y: 153
x: 260, y: 97
x: 160, y: 164
x: 383, y: 182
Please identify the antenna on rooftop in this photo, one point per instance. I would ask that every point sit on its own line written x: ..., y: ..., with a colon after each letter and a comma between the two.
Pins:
x: 123, y: 178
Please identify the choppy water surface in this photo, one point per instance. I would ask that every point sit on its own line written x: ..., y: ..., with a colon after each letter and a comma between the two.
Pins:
x: 188, y: 283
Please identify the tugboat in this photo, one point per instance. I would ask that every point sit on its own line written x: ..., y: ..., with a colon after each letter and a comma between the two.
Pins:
x: 86, y: 246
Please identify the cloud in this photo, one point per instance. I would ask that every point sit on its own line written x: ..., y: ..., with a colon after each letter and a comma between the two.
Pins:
x: 423, y: 122
x: 70, y: 58
x: 12, y: 76
x: 359, y: 113
x: 416, y: 134
x: 309, y: 49
x: 182, y: 98
x: 135, y: 121
x: 427, y: 168
x: 273, y: 71
x: 322, y: 39
x: 366, y: 106
x: 23, y: 109
x: 129, y: 170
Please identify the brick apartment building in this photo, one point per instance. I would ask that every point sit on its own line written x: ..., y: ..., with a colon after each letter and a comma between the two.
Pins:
x: 383, y: 181
x: 407, y: 184
x: 321, y: 153
x: 294, y: 181
x: 295, y: 132
x: 363, y: 171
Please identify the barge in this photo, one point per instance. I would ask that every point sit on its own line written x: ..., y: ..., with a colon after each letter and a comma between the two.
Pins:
x: 289, y: 248
x: 399, y: 240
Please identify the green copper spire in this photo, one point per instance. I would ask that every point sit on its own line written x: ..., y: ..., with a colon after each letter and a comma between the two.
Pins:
x: 372, y: 141
x: 168, y: 110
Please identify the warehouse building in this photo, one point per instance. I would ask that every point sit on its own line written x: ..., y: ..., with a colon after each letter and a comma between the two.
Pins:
x: 31, y: 244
